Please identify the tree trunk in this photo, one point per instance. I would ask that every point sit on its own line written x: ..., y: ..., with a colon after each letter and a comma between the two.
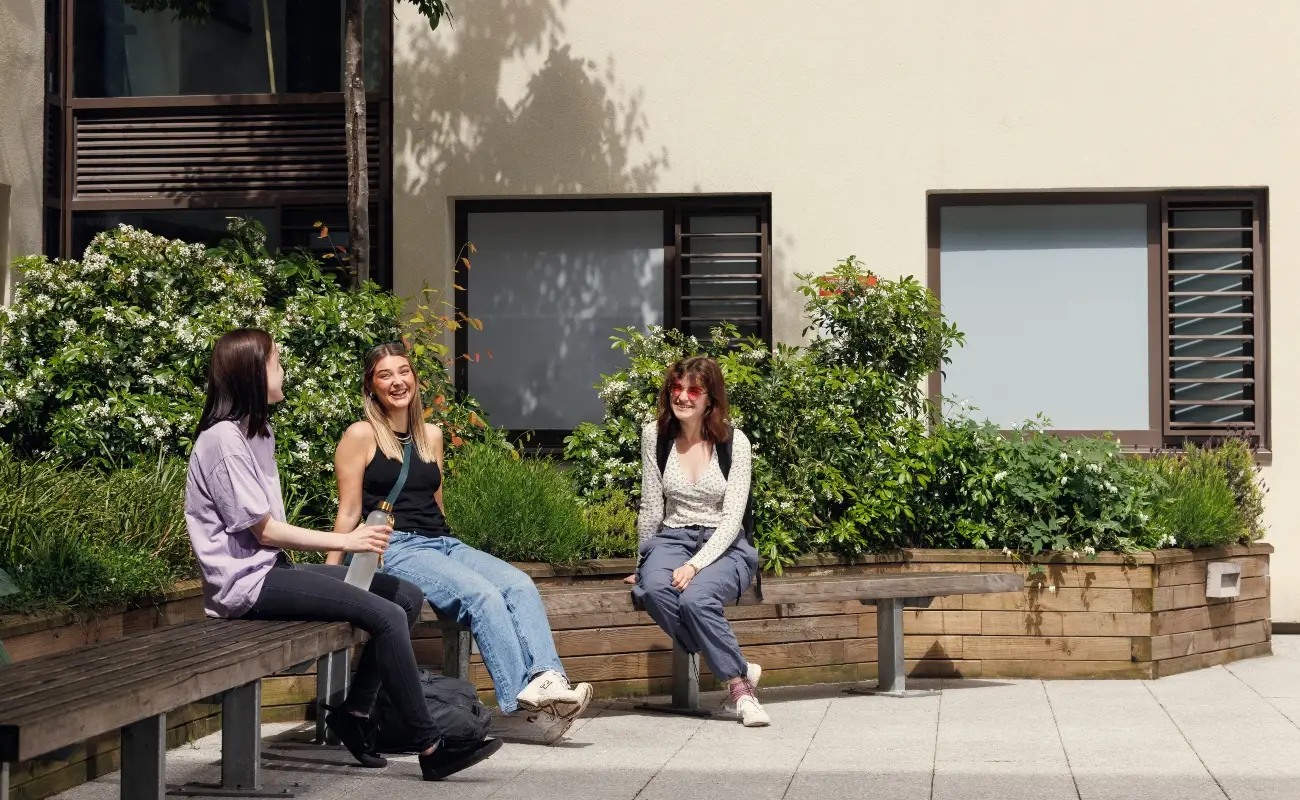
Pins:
x: 354, y: 101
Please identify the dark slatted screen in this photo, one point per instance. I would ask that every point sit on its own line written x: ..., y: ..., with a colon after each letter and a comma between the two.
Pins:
x: 1214, y: 270
x: 236, y: 149
x: 723, y: 257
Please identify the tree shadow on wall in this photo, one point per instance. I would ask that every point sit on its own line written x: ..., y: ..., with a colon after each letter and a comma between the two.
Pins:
x: 498, y: 104
x: 573, y: 130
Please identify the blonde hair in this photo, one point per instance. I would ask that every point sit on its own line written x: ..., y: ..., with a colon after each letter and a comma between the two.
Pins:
x: 378, y: 417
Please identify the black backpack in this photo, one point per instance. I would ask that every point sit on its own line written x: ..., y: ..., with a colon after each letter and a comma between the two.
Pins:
x: 724, y: 463
x: 457, y: 713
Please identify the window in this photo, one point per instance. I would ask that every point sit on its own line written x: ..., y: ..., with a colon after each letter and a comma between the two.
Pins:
x: 205, y: 226
x: 552, y: 280
x: 246, y: 47
x: 1135, y: 313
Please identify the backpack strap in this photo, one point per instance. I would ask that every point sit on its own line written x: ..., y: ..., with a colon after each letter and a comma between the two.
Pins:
x: 662, y: 444
x: 747, y: 521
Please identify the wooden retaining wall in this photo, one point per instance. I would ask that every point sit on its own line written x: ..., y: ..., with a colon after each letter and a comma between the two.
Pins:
x: 1142, y: 616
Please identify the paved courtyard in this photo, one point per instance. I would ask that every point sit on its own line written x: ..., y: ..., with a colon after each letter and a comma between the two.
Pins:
x: 1228, y: 732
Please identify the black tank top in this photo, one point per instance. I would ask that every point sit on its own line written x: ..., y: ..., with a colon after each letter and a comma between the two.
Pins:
x: 415, y: 510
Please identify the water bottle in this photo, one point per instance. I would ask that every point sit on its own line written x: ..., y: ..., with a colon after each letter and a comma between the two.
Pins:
x: 364, y: 565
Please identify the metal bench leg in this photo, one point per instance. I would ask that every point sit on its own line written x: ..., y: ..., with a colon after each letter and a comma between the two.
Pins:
x: 686, y: 687
x: 331, y: 689
x: 144, y: 759
x: 891, y: 669
x: 4, y: 780
x: 457, y: 645
x: 241, y: 749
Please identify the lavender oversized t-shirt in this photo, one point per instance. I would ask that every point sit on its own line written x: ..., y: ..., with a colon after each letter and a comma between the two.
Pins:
x: 232, y: 485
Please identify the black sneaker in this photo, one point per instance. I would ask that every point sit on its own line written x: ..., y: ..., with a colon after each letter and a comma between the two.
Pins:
x: 444, y: 762
x: 358, y: 735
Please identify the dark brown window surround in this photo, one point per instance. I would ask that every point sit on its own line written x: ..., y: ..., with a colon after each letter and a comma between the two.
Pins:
x: 1165, y: 429
x: 209, y: 151
x: 677, y: 238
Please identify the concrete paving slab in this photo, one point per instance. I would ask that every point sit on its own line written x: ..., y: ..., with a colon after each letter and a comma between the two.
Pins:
x: 1221, y: 734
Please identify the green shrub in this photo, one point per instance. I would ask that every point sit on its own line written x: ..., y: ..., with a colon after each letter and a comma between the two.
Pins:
x: 611, y: 524
x: 81, y: 538
x: 1032, y: 491
x: 895, y: 327
x: 1198, y: 508
x: 515, y: 508
x: 1213, y: 495
x: 1242, y: 470
x: 103, y: 360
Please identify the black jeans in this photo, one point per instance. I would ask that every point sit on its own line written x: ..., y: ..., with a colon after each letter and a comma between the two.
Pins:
x: 388, y: 612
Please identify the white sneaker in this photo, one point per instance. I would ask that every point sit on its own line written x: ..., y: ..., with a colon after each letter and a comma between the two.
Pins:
x: 550, y: 692
x: 751, y: 712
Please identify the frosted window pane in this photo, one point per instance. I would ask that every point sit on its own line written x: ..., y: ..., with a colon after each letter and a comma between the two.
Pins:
x: 550, y: 288
x: 1053, y: 302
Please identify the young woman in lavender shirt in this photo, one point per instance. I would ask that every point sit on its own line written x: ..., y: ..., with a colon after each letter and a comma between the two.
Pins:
x: 234, y: 512
x: 497, y: 601
x: 695, y: 556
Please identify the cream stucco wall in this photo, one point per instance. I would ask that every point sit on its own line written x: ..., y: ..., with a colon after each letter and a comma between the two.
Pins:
x: 22, y: 54
x: 848, y: 112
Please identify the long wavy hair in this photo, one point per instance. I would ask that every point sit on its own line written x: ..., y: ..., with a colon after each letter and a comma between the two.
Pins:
x: 385, y: 437
x: 708, y: 376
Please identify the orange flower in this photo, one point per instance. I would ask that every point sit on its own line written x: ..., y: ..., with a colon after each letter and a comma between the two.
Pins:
x: 456, y: 441
x: 868, y: 280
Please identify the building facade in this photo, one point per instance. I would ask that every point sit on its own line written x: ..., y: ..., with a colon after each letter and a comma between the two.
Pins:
x: 174, y: 125
x: 1099, y: 193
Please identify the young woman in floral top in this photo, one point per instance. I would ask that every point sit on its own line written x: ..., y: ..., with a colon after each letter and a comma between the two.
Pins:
x: 695, y: 555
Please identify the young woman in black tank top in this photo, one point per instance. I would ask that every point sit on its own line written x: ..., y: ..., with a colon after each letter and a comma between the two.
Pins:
x: 498, y: 602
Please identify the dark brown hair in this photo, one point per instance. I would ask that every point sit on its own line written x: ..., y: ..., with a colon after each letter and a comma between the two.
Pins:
x: 237, y: 382
x: 708, y: 376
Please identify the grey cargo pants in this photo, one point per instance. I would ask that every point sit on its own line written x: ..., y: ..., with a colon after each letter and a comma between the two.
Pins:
x: 694, y: 618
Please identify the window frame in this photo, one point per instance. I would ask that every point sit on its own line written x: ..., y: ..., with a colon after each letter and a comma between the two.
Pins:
x: 1158, y: 433
x: 64, y: 110
x: 675, y: 209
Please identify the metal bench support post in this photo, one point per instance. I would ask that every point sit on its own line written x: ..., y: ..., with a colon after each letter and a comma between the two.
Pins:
x: 144, y: 759
x: 686, y: 687
x: 241, y: 748
x: 241, y: 737
x: 331, y: 689
x: 457, y: 644
x: 4, y: 780
x: 891, y: 670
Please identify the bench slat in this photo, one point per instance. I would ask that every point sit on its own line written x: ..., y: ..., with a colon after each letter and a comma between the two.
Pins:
x: 168, y: 656
x: 254, y: 638
x: 617, y: 597
x: 886, y: 587
x: 46, y: 671
x: 44, y: 728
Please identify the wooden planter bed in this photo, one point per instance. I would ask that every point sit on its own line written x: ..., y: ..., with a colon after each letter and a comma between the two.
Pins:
x: 1142, y: 616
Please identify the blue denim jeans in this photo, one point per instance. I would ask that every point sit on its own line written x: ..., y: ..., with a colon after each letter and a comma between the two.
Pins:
x: 496, y: 601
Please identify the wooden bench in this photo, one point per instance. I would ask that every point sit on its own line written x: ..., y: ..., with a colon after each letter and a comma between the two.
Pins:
x: 131, y: 683
x: 890, y: 593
